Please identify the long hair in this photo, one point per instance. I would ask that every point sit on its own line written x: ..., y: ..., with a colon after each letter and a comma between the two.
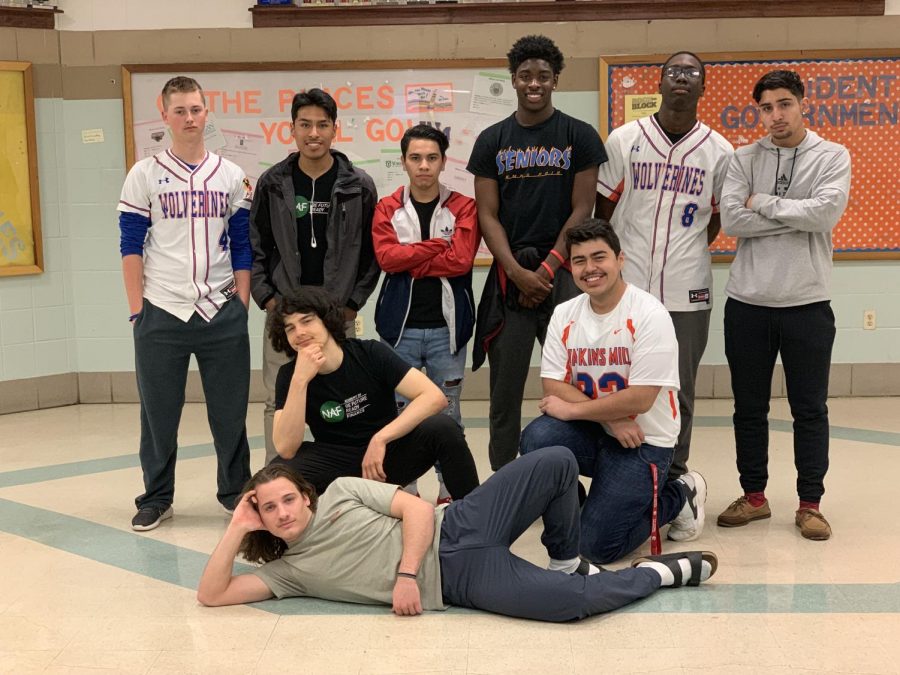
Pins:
x: 262, y: 546
x: 306, y: 300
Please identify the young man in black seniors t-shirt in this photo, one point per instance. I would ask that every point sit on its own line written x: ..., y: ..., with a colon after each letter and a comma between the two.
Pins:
x: 344, y: 390
x: 535, y: 176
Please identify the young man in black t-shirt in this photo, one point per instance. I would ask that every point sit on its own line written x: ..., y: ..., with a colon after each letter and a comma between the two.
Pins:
x: 535, y: 176
x: 426, y: 237
x: 311, y: 225
x: 344, y: 390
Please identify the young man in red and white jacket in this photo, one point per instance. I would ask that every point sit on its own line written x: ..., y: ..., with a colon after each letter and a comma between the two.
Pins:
x: 426, y: 237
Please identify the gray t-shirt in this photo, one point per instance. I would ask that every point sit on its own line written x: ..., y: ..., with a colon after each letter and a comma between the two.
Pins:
x: 351, y: 549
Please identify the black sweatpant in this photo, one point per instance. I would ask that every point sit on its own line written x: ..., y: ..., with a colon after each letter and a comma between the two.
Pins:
x: 804, y: 336
x: 437, y: 439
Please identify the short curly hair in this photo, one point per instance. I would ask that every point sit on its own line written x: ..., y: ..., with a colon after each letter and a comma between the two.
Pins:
x: 308, y: 300
x: 535, y: 47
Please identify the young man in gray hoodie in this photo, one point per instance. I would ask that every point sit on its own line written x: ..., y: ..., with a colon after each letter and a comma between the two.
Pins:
x: 782, y: 197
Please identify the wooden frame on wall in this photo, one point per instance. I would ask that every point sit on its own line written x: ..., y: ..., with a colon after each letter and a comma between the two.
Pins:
x: 21, y: 246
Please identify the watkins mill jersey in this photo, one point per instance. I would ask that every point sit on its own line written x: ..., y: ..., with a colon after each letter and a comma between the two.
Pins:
x: 601, y: 354
x: 187, y: 260
x: 665, y: 194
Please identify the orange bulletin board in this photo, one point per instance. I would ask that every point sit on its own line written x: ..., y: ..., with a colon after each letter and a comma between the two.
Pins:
x: 854, y: 100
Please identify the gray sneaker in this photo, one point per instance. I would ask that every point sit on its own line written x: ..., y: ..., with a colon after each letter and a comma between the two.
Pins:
x: 149, y: 517
x: 688, y: 524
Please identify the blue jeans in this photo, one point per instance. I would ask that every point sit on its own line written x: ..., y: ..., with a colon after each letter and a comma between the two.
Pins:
x: 429, y: 348
x: 616, y: 517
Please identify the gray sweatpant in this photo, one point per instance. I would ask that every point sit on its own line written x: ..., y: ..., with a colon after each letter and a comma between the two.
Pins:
x: 692, y: 333
x: 478, y: 569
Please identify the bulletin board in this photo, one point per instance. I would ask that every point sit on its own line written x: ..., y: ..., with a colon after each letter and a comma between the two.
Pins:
x: 250, y: 111
x: 854, y: 100
x: 21, y: 250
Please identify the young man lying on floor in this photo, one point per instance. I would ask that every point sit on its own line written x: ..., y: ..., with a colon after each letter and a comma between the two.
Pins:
x: 370, y: 542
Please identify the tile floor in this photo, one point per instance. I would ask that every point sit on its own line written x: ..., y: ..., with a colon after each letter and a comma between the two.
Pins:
x: 81, y: 593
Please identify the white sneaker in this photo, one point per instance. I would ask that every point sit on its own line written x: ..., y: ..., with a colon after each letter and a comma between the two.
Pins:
x: 688, y: 524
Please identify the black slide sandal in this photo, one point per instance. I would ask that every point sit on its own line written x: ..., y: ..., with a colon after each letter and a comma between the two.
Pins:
x: 670, y: 560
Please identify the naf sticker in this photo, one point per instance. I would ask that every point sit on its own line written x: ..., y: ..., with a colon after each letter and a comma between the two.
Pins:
x: 304, y: 207
x: 699, y: 295
x: 332, y: 411
x: 301, y: 206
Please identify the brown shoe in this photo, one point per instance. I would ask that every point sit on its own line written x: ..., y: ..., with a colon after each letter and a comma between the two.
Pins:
x: 812, y: 524
x: 741, y: 512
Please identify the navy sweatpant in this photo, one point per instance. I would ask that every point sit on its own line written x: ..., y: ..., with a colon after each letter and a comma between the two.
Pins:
x: 478, y: 570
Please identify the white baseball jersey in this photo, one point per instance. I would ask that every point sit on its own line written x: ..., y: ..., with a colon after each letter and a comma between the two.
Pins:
x: 187, y: 260
x: 665, y: 194
x: 604, y: 353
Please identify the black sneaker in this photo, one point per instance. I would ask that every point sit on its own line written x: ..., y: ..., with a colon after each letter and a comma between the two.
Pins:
x: 149, y: 517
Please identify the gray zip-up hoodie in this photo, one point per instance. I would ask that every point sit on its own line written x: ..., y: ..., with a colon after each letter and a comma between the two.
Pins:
x: 784, y: 239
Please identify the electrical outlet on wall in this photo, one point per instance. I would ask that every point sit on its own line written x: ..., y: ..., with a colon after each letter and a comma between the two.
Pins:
x: 869, y: 319
x: 358, y: 326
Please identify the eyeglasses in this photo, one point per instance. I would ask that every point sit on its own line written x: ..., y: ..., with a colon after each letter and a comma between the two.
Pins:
x: 690, y: 72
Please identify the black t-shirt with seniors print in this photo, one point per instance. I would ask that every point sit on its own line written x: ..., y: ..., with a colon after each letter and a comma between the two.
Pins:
x: 347, y: 407
x: 535, y: 170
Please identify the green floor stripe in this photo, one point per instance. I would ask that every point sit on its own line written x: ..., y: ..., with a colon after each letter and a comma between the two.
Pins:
x: 144, y: 555
x: 85, y: 467
x: 115, y: 463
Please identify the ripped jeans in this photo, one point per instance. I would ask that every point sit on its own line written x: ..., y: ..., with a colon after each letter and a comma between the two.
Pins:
x: 429, y: 348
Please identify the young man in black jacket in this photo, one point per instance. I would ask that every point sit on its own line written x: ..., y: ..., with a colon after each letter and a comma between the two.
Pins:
x: 311, y: 225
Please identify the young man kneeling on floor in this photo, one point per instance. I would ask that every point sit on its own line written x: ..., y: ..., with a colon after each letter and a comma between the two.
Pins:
x: 370, y: 542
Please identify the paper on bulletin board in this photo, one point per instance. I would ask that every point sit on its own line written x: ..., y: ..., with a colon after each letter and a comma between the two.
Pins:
x: 493, y: 94
x: 212, y: 135
x: 641, y: 105
x: 392, y: 165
